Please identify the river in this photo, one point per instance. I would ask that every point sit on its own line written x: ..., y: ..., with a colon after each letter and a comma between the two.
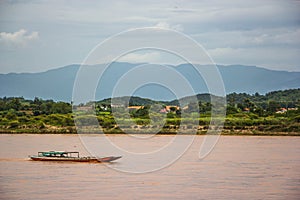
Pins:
x: 239, y: 167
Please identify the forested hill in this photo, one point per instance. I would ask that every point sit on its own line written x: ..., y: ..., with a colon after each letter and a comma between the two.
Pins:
x: 292, y: 95
x: 288, y: 98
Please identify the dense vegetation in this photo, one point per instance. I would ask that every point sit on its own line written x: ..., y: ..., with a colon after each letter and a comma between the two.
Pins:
x: 277, y: 111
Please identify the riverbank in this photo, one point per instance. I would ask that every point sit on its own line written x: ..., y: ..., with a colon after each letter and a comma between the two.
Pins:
x: 272, y: 114
x: 72, y: 130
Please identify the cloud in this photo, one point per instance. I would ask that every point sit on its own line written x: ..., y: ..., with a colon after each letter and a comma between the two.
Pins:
x: 166, y: 25
x: 18, y: 38
x: 148, y: 57
x: 265, y: 33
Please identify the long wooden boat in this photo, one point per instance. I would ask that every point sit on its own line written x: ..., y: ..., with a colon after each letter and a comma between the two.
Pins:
x: 70, y: 156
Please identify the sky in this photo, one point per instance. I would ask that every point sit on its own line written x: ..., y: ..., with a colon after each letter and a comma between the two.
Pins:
x: 37, y: 35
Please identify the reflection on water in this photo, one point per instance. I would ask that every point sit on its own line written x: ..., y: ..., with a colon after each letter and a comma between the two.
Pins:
x: 238, y: 168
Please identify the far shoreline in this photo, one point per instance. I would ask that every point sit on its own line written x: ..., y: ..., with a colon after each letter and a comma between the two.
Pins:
x: 248, y: 133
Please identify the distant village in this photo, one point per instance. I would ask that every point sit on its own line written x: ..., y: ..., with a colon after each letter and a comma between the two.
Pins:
x: 166, y: 109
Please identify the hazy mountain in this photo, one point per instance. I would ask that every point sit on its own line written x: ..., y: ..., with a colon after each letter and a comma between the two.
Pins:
x: 58, y: 83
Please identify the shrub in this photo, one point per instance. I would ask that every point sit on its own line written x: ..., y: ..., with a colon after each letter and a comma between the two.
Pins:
x: 14, y: 124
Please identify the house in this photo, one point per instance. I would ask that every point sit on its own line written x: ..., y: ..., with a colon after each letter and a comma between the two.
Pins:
x: 246, y: 110
x: 169, y: 108
x: 85, y: 108
x: 135, y: 107
x: 163, y: 110
x: 117, y: 105
x: 281, y: 111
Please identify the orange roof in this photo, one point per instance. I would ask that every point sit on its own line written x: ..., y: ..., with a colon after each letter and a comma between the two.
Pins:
x: 135, y: 107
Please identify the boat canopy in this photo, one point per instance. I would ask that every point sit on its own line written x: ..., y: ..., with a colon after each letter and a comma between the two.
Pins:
x: 59, y: 154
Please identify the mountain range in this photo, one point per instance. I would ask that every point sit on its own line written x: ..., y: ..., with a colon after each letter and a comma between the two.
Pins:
x: 58, y: 83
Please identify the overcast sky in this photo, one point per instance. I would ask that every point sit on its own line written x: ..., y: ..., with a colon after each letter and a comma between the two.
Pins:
x: 40, y: 35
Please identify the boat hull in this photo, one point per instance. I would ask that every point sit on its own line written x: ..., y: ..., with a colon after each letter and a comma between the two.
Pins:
x: 74, y: 159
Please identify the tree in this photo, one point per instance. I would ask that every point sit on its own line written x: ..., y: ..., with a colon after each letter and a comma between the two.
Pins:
x: 173, y: 109
x: 2, y: 105
x: 231, y: 109
x: 273, y: 106
x: 232, y: 101
x: 37, y: 101
x: 142, y: 112
x: 11, y: 115
x: 14, y: 124
x: 14, y: 104
x: 61, y: 108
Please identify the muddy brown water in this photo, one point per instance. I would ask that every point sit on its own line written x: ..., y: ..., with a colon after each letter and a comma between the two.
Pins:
x: 239, y: 167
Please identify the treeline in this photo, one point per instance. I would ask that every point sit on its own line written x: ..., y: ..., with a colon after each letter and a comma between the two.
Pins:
x: 274, y: 111
x: 37, y: 106
x: 270, y: 101
x: 34, y: 115
x: 261, y: 105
